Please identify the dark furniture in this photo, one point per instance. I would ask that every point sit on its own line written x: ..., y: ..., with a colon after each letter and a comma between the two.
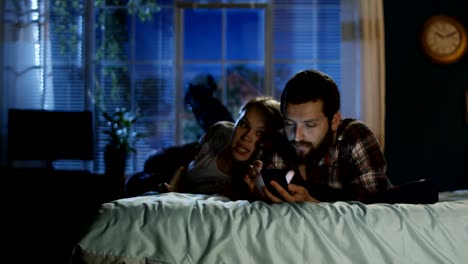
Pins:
x: 44, y: 211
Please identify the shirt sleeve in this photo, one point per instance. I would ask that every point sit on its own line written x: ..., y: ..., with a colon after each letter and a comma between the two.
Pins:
x: 367, y: 162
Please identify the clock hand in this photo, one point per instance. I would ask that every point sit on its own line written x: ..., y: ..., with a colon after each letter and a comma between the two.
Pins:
x: 440, y: 35
x: 450, y: 34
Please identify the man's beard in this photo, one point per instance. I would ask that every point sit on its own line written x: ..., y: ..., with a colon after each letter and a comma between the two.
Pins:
x: 316, y: 154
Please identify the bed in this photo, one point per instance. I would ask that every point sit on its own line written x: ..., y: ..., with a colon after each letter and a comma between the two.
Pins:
x: 189, y: 228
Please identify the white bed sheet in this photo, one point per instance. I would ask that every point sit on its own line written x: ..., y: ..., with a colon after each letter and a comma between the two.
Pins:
x: 185, y: 228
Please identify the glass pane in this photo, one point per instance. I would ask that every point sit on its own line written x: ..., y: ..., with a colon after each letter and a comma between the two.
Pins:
x: 66, y: 32
x: 328, y: 34
x: 69, y: 91
x: 283, y: 72
x: 226, y: 1
x: 198, y: 76
x: 155, y: 99
x: 242, y: 83
x: 112, y: 33
x: 154, y: 39
x: 308, y: 32
x: 155, y: 93
x: 307, y: 2
x: 245, y: 34
x: 112, y: 84
x: 202, y: 34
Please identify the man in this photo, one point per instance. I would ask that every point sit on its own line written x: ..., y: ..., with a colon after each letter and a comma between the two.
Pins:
x: 334, y: 158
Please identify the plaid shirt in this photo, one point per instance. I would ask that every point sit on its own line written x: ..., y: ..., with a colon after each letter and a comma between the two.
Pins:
x: 353, y: 169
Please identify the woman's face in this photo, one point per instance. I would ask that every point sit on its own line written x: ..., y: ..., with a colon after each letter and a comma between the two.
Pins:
x: 249, y: 129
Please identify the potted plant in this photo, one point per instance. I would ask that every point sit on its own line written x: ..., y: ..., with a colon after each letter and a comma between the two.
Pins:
x: 121, y: 139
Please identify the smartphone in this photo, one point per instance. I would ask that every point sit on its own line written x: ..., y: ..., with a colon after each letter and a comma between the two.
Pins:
x: 282, y: 177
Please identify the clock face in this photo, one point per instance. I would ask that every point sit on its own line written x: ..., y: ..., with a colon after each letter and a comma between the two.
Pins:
x: 444, y: 39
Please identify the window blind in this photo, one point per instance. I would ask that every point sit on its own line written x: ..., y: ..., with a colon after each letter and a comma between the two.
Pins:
x: 306, y: 35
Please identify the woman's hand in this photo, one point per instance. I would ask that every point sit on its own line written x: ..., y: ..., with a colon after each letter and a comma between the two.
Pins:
x: 169, y: 187
x: 174, y: 184
x: 254, y: 179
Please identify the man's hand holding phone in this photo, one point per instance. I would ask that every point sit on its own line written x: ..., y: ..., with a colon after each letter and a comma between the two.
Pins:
x: 279, y: 185
x: 280, y: 177
x: 278, y: 188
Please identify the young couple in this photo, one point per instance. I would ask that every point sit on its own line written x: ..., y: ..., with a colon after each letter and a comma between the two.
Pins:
x: 333, y: 158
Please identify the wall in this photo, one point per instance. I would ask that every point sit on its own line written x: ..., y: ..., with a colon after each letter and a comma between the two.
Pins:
x: 426, y: 136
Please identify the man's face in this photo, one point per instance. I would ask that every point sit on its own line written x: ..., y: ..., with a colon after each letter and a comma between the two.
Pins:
x: 307, y: 127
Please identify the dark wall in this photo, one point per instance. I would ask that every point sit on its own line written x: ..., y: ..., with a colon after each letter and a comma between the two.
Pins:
x: 426, y: 135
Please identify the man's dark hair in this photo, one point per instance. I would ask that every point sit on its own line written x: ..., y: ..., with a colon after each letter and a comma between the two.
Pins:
x: 310, y: 86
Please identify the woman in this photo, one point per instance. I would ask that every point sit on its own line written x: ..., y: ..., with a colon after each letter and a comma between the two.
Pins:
x: 228, y: 149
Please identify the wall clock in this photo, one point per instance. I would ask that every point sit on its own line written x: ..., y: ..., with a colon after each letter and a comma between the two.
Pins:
x: 443, y: 39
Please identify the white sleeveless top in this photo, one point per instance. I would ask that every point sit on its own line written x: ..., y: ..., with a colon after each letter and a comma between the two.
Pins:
x: 203, y: 174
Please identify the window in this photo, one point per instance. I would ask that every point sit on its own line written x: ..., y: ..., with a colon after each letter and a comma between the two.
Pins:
x: 233, y: 53
x: 144, y: 56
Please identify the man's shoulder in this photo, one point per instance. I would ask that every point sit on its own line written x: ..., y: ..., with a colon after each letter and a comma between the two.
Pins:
x: 352, y: 128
